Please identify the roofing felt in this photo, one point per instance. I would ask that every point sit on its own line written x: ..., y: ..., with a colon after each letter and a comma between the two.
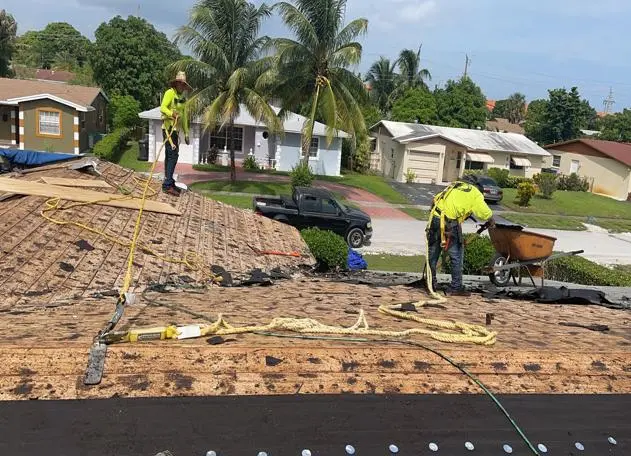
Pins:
x: 18, y: 88
x: 294, y: 123
x: 616, y: 150
x: 479, y: 140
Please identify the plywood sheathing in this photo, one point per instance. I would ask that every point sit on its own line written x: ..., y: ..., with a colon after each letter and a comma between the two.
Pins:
x: 65, y: 182
x: 44, y: 354
x: 41, y: 260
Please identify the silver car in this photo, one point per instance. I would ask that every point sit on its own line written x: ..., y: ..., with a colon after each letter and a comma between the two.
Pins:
x: 492, y: 192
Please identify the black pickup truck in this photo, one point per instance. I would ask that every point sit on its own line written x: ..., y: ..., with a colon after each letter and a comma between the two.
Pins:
x: 315, y: 207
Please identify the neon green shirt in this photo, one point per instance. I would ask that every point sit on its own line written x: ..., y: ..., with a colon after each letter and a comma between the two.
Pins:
x: 462, y: 201
x: 174, y: 102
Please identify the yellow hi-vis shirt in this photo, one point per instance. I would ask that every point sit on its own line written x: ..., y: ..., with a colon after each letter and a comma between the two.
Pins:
x: 173, y: 101
x: 461, y: 201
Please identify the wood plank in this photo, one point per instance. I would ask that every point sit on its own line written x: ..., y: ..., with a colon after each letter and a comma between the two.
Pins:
x: 65, y: 182
x: 79, y: 195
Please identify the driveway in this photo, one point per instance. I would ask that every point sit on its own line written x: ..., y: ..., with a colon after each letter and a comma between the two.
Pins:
x: 408, y: 238
x: 423, y: 194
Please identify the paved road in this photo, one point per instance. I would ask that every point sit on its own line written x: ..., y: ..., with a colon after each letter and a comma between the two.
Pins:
x: 405, y: 237
x: 423, y: 194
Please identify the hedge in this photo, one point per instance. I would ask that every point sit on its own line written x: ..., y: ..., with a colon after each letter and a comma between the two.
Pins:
x: 112, y: 146
x: 478, y: 254
x: 329, y: 249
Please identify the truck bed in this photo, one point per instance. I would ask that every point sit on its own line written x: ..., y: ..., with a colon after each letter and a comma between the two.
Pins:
x: 274, y: 203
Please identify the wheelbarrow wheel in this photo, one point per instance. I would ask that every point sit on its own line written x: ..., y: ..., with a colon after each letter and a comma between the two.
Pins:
x: 500, y: 278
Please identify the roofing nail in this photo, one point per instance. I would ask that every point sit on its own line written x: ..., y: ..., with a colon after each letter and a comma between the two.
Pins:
x: 612, y: 441
x: 350, y: 449
x: 469, y: 446
x: 541, y: 447
x: 579, y: 446
x: 433, y: 446
x: 393, y: 449
x: 507, y: 448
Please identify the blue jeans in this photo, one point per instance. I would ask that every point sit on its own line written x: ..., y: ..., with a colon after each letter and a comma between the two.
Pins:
x: 170, y: 159
x: 455, y: 249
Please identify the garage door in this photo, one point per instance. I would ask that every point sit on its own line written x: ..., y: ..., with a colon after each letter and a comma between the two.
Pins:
x: 424, y: 164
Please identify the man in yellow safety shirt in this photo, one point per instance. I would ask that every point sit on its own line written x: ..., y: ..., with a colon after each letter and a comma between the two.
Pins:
x: 450, y: 209
x: 174, y: 117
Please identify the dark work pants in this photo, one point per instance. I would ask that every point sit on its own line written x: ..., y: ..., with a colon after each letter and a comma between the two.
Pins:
x: 455, y: 250
x: 170, y: 159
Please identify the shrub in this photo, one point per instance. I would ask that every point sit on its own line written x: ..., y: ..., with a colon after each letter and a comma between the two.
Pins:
x: 124, y: 111
x: 410, y: 176
x: 547, y: 184
x: 250, y: 163
x: 329, y: 249
x: 500, y: 176
x: 525, y: 191
x: 573, y: 183
x: 213, y: 154
x: 514, y: 181
x: 112, y: 146
x: 579, y: 270
x: 301, y: 175
x: 478, y: 253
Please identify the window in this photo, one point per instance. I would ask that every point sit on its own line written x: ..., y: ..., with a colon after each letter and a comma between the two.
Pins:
x: 49, y: 122
x: 311, y: 204
x: 221, y: 139
x: 556, y: 161
x: 313, y: 147
x: 329, y: 206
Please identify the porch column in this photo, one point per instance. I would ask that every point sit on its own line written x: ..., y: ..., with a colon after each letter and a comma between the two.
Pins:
x: 463, y: 162
x: 14, y: 128
x: 195, y: 142
x: 21, y: 127
x: 75, y: 130
x: 152, y: 141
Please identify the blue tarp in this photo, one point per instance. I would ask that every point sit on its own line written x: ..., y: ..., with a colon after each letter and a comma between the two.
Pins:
x: 33, y: 157
x: 356, y: 261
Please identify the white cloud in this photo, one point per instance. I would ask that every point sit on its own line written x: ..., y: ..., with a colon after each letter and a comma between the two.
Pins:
x: 416, y: 10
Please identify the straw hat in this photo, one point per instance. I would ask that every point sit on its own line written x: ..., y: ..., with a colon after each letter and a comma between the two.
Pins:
x: 180, y: 77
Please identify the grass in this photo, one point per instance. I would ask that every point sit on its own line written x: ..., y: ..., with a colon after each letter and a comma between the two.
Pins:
x: 579, y: 204
x: 395, y: 263
x: 373, y: 184
x: 614, y: 226
x: 243, y: 202
x: 259, y: 188
x: 552, y: 222
x: 226, y: 169
x: 129, y: 159
x: 418, y: 214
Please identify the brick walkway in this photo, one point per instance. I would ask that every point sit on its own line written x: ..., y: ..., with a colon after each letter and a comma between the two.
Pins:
x: 370, y: 203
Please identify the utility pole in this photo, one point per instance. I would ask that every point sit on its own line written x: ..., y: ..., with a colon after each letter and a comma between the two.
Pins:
x: 466, y: 65
x: 609, y: 102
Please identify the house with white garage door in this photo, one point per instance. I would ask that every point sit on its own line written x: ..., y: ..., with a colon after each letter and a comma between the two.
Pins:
x: 278, y: 151
x: 442, y: 154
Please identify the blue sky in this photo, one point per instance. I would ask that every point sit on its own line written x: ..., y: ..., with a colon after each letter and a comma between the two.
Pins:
x: 520, y: 45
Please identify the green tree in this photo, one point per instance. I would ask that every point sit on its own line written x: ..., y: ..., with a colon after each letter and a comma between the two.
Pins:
x: 61, y: 46
x: 500, y: 110
x: 371, y: 114
x: 412, y: 75
x: 561, y: 118
x: 313, y: 67
x: 617, y: 127
x: 124, y: 110
x: 223, y: 35
x: 130, y: 57
x: 27, y: 51
x: 461, y: 104
x: 516, y: 108
x: 382, y: 79
x: 83, y: 76
x: 415, y: 105
x: 8, y: 31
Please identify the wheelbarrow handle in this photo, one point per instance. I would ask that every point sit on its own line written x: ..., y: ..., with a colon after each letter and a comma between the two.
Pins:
x: 482, y: 228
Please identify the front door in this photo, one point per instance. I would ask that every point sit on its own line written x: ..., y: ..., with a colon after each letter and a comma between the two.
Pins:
x: 574, y: 167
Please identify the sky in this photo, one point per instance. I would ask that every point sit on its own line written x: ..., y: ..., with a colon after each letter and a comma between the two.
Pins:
x: 526, y: 46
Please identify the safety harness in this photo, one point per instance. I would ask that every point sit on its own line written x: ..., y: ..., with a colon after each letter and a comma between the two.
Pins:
x: 436, y: 212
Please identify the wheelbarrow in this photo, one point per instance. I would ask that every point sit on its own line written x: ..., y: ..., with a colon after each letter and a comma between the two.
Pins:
x: 517, y: 250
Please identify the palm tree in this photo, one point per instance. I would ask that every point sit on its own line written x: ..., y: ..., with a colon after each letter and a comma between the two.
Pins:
x: 516, y: 108
x: 223, y: 36
x: 412, y: 75
x: 8, y: 29
x: 313, y: 69
x: 382, y: 79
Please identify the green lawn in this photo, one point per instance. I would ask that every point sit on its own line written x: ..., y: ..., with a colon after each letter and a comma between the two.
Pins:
x: 373, y: 184
x: 129, y: 159
x: 395, y: 263
x: 259, y: 188
x: 243, y: 202
x: 226, y: 169
x: 581, y: 204
x: 418, y: 214
x: 615, y: 226
x: 552, y: 222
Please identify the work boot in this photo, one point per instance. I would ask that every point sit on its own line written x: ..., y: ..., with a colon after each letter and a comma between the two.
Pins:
x: 457, y: 292
x: 171, y: 191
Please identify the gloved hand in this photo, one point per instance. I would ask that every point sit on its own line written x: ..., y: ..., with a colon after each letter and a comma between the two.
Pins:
x: 187, y: 140
x: 491, y: 222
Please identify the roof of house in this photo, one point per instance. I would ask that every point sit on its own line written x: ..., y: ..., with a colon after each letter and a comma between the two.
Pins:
x: 14, y: 91
x: 54, y: 75
x: 479, y: 140
x: 490, y: 105
x: 292, y: 124
x: 616, y: 150
x: 504, y: 126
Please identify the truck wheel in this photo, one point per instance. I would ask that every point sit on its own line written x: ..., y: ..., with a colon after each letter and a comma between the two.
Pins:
x: 355, y: 238
x: 281, y: 219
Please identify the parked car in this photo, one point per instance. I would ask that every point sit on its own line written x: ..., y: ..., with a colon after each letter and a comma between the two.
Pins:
x: 314, y: 207
x: 492, y: 192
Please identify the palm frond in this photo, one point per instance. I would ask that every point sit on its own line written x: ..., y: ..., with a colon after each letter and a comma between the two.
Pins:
x: 301, y: 25
x: 353, y: 29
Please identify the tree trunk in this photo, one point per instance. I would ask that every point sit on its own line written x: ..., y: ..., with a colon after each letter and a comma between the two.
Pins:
x: 233, y: 167
x: 306, y: 144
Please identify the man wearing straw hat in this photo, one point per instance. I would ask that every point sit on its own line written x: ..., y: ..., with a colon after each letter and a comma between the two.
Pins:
x: 174, y: 116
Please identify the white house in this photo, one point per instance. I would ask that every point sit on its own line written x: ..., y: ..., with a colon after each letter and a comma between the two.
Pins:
x: 281, y: 152
x: 442, y: 154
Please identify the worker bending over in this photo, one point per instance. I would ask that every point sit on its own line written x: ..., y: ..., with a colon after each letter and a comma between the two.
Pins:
x: 174, y: 116
x: 450, y: 209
